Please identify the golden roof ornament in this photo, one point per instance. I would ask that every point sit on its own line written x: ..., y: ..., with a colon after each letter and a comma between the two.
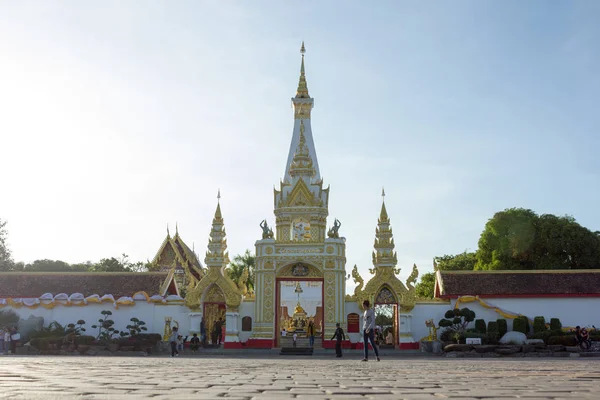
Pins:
x: 302, y: 91
x: 302, y: 164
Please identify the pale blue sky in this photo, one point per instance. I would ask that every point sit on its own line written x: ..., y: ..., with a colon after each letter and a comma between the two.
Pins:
x: 118, y: 117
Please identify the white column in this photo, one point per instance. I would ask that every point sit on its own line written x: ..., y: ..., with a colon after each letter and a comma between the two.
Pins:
x: 406, y: 328
x: 195, y: 319
x: 232, y: 326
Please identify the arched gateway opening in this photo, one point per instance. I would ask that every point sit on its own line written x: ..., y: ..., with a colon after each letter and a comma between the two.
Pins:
x: 299, y: 306
x: 386, y: 318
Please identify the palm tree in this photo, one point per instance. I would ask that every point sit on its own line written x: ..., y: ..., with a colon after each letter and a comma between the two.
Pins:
x: 237, y: 265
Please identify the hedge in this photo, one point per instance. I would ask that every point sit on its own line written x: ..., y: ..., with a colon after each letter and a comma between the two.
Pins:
x: 480, y: 326
x: 539, y: 324
x: 502, y: 327
x: 555, y: 324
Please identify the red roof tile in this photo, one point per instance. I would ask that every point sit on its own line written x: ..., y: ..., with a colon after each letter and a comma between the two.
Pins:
x: 32, y: 284
x: 518, y: 283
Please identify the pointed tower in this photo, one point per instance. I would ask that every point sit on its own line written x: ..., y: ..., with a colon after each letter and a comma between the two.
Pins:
x: 384, y: 254
x: 217, y: 256
x: 302, y: 104
x: 300, y: 248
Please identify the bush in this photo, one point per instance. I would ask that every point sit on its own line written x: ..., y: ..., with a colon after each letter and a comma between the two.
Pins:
x: 555, y: 324
x: 480, y: 326
x: 521, y: 324
x: 492, y: 331
x: 566, y: 340
x: 539, y: 324
x: 502, y: 327
x: 542, y: 335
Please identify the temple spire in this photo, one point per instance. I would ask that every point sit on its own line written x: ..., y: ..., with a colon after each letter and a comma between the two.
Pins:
x: 384, y: 254
x: 302, y: 92
x: 303, y: 105
x: 302, y: 164
x: 217, y: 256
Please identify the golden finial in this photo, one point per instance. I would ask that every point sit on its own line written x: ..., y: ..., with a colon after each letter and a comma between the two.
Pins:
x: 383, y: 192
x: 168, y: 233
x: 218, y: 211
x: 219, y: 196
x: 302, y: 91
x: 176, y: 229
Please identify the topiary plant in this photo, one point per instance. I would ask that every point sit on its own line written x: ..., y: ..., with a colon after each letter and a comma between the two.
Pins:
x: 457, y: 321
x: 492, y: 331
x: 555, y: 324
x: 502, y: 327
x: 539, y: 324
x: 480, y: 326
x: 518, y: 325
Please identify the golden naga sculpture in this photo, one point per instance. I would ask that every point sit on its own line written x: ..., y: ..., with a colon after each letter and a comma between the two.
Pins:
x: 242, y: 282
x: 168, y: 328
x: 412, y: 279
x: 432, y: 332
x: 358, y: 280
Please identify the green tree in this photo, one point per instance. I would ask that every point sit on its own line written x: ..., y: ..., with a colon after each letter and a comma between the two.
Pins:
x: 6, y: 261
x: 464, y: 261
x: 508, y: 241
x: 237, y: 265
x: 425, y: 288
x: 518, y: 238
x: 48, y: 266
x: 112, y: 264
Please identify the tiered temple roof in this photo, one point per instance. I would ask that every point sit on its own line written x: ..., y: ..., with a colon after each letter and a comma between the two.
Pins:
x: 538, y: 283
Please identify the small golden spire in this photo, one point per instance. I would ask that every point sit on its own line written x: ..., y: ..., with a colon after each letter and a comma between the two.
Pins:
x: 219, y: 196
x: 383, y: 216
x: 302, y: 163
x: 168, y: 233
x: 176, y: 229
x: 302, y: 91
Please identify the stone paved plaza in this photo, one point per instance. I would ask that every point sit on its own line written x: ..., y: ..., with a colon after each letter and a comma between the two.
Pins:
x: 275, y: 377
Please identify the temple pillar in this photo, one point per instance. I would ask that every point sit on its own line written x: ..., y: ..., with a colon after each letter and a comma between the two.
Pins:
x: 232, y: 338
x: 195, y: 319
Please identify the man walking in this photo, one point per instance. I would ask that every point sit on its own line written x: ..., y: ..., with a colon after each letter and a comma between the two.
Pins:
x: 310, y: 332
x: 369, y: 330
x: 338, y: 335
x: 173, y: 341
x: 219, y: 331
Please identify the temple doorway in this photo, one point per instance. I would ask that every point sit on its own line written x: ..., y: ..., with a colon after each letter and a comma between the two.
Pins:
x: 386, y: 318
x: 214, y: 309
x: 300, y: 303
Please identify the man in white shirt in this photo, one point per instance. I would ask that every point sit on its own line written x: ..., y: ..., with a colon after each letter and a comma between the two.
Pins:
x: 369, y: 330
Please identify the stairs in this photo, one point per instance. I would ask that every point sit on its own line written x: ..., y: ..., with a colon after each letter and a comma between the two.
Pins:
x: 302, y: 346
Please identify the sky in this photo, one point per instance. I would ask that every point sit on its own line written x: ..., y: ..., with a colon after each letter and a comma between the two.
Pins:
x: 120, y: 117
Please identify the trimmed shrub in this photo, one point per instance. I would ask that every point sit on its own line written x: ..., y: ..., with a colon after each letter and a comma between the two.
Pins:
x: 480, y: 326
x: 555, y: 324
x: 521, y: 324
x: 542, y: 335
x: 567, y: 340
x: 502, y: 327
x: 492, y: 331
x: 539, y: 324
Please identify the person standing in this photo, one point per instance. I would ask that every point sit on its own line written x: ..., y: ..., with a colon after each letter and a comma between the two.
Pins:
x: 203, y: 333
x: 338, y: 335
x: 2, y: 330
x: 310, y: 332
x: 219, y: 329
x: 195, y: 342
x: 295, y: 338
x: 7, y: 344
x: 369, y: 330
x: 173, y: 342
